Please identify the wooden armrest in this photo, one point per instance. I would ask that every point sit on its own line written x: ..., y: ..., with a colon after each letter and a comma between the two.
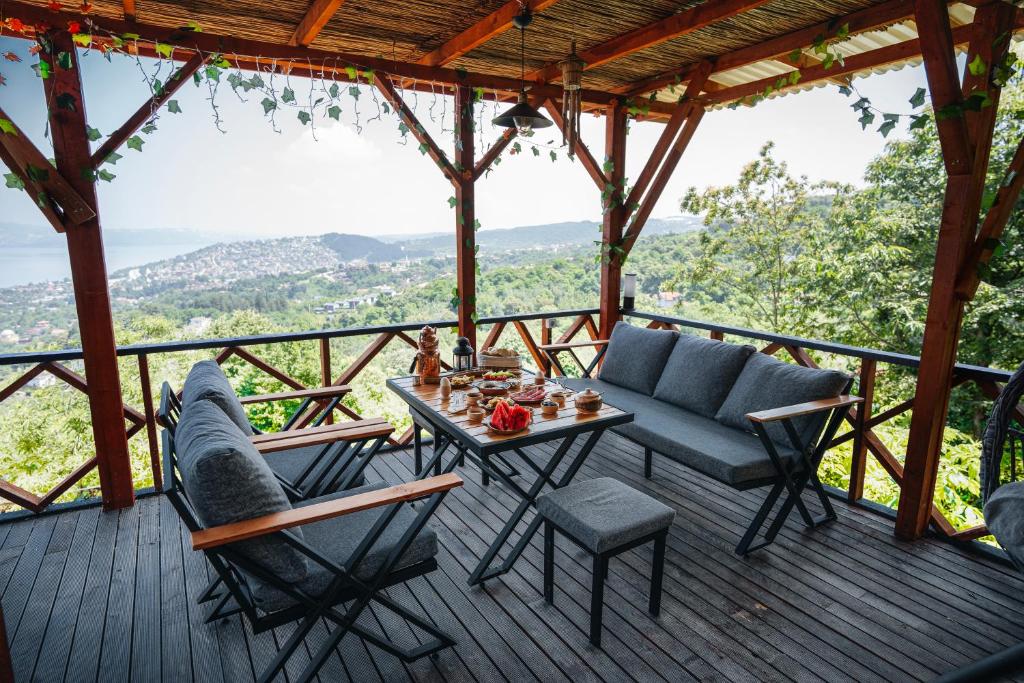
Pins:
x: 286, y: 519
x: 338, y: 427
x: 317, y: 436
x: 572, y: 345
x: 315, y: 392
x: 804, y: 408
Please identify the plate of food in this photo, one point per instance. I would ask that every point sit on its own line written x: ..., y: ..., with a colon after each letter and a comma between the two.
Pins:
x: 498, y: 375
x: 530, y: 395
x: 461, y: 381
x: 491, y: 404
x: 510, y: 419
x: 492, y: 388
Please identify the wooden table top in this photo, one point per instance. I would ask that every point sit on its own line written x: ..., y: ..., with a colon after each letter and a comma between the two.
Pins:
x: 426, y: 400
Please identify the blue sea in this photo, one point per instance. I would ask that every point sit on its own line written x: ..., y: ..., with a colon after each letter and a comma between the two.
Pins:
x: 25, y: 265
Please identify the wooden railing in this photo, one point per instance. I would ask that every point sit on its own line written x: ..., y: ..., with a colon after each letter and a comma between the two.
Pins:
x: 143, y: 418
x: 863, y: 420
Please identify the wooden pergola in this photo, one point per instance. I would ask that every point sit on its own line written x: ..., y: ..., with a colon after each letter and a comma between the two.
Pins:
x: 659, y: 60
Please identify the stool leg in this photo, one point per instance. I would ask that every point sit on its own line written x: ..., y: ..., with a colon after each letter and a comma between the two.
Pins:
x: 417, y: 447
x: 549, y: 563
x: 657, y: 574
x: 648, y: 462
x: 597, y: 599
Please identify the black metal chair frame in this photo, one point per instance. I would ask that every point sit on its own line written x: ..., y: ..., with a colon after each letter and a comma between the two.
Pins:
x: 587, y: 369
x: 335, y: 468
x: 345, y: 586
x: 600, y: 572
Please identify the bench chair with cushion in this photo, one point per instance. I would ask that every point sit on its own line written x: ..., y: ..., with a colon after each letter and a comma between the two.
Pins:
x: 325, y: 558
x: 740, y: 417
x: 308, y: 462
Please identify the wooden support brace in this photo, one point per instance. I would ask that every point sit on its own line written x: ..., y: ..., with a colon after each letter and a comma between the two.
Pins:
x: 387, y: 89
x: 51, y: 212
x: 581, y: 150
x: 149, y: 108
x: 493, y: 153
x: 32, y: 165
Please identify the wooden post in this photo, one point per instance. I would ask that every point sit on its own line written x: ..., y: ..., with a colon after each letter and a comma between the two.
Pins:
x: 614, y: 215
x: 325, y: 371
x: 545, y: 339
x: 965, y: 142
x: 465, y: 214
x: 89, y: 275
x: 858, y: 461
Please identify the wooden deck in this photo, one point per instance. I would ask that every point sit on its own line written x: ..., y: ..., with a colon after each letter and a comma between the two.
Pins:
x: 89, y: 596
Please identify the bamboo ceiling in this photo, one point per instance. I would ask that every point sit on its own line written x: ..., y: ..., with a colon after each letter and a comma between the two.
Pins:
x: 636, y: 47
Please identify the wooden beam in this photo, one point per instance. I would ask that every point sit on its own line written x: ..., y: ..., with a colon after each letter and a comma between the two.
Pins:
x: 492, y: 25
x: 23, y: 156
x: 465, y: 214
x: 51, y: 212
x: 582, y: 151
x: 494, y: 152
x: 386, y: 88
x: 993, y: 225
x: 89, y: 276
x: 859, y: 457
x: 316, y: 17
x: 297, y: 60
x: 661, y: 148
x: 864, y: 20
x: 956, y: 234
x: 148, y: 109
x: 614, y: 216
x: 679, y: 24
x: 643, y: 212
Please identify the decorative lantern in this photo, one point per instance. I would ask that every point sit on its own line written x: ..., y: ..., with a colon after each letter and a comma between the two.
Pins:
x: 628, y: 291
x: 427, y: 358
x: 462, y: 355
x: 572, y: 98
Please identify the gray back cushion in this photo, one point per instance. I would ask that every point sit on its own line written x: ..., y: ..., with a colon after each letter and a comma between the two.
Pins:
x: 636, y: 357
x: 700, y: 372
x: 207, y: 381
x: 227, y: 480
x: 767, y: 383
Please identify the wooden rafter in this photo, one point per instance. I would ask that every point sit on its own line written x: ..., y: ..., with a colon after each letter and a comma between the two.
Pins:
x: 148, y: 109
x: 479, y: 33
x: 128, y: 7
x: 417, y: 129
x: 494, y: 152
x: 582, y: 151
x: 858, y: 22
x: 51, y: 212
x: 677, y: 25
x: 26, y: 161
x: 316, y: 17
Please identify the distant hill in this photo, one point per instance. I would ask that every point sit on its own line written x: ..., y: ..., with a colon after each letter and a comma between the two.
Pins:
x: 359, y: 247
x: 573, y: 233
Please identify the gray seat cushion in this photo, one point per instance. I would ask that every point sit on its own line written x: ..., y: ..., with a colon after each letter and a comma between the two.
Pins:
x: 604, y: 514
x: 338, y: 537
x: 724, y: 453
x: 700, y: 372
x: 1004, y: 515
x: 207, y: 381
x: 767, y: 383
x: 226, y: 480
x: 290, y: 464
x: 636, y: 357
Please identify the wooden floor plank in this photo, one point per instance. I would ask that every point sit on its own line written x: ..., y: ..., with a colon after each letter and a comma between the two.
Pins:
x: 112, y: 596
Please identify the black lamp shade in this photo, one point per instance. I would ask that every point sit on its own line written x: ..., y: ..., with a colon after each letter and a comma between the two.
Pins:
x: 522, y: 115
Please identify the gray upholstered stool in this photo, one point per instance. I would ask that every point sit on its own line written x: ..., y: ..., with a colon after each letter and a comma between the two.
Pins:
x: 604, y: 517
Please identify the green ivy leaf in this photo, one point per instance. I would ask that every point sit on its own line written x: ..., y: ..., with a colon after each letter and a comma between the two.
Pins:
x: 861, y: 104
x: 40, y: 175
x: 163, y: 49
x: 174, y: 107
x: 452, y: 201
x: 212, y: 73
x: 844, y: 32
x: 42, y: 70
x: 269, y: 105
x: 919, y: 121
x: 64, y: 60
x: 288, y: 95
x: 977, y: 66
x: 845, y: 90
x: 149, y: 128
x: 536, y: 152
x: 403, y: 129
x: 13, y: 181
x: 136, y: 143
x: 866, y: 119
x: 351, y: 72
x: 105, y: 175
x: 113, y: 158
x: 353, y: 90
x: 886, y: 128
x: 304, y: 116
x: 130, y: 36
x: 918, y: 99
x: 92, y: 134
x: 256, y: 81
x: 385, y: 107
x: 829, y: 61
x: 194, y: 27
x: 7, y: 127
x: 795, y: 55
x: 794, y: 77
x: 333, y: 91
x: 423, y: 148
x: 554, y: 157
x: 66, y: 101
x: 334, y: 112
x: 83, y: 39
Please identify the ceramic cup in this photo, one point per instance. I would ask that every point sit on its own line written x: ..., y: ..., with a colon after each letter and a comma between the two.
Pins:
x: 475, y: 413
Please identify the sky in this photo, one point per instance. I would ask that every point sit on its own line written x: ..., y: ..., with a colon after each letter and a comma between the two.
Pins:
x: 254, y: 181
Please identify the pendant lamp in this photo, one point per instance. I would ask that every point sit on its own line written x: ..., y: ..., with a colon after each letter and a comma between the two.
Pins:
x: 524, y: 118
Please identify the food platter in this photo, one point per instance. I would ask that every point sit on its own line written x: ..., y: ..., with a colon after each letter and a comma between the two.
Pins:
x: 530, y: 396
x: 491, y: 388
